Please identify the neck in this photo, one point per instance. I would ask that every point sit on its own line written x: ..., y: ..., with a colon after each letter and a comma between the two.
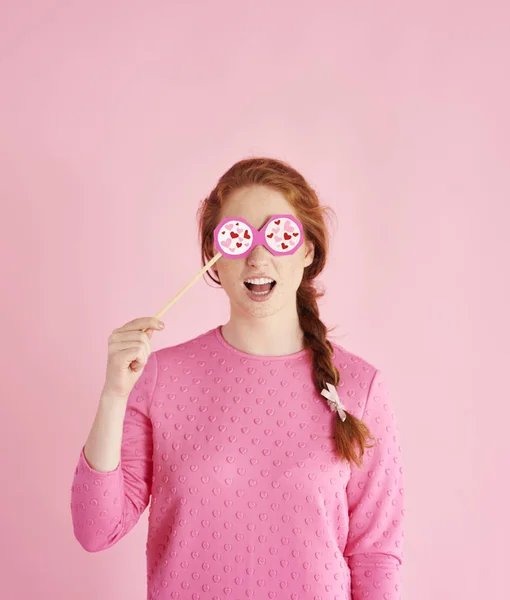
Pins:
x: 264, y: 336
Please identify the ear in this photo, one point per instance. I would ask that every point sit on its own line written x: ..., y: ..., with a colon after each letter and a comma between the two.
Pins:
x: 309, y: 253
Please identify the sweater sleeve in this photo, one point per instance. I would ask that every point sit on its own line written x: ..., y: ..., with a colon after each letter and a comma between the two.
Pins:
x: 105, y: 506
x: 375, y: 498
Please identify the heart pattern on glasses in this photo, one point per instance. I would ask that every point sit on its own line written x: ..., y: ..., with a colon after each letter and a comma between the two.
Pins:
x: 235, y: 237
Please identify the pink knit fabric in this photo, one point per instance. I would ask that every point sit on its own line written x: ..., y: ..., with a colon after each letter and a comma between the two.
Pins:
x: 248, y: 498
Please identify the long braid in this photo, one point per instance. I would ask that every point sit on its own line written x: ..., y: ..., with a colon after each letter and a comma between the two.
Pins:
x: 352, y: 433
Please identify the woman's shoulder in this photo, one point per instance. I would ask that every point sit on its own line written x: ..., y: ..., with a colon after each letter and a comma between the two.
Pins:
x: 358, y: 378
x: 355, y: 370
x: 189, y: 348
x: 345, y: 358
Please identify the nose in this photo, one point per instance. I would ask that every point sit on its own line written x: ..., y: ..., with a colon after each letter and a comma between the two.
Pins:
x: 258, y: 255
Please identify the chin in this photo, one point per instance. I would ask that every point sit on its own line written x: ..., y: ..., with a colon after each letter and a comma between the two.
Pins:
x: 271, y: 306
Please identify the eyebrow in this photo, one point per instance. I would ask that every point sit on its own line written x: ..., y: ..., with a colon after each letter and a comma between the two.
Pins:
x: 263, y: 224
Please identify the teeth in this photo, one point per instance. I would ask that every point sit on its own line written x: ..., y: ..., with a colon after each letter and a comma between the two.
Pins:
x: 259, y: 281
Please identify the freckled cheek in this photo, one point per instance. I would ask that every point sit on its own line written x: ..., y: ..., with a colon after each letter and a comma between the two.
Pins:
x: 292, y: 268
x: 230, y: 274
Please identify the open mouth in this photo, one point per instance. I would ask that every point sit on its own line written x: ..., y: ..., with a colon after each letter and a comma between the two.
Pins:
x: 260, y: 287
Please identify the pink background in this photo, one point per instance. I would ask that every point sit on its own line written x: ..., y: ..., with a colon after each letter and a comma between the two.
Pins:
x: 117, y: 118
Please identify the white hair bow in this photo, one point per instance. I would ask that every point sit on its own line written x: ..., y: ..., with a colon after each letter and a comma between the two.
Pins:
x: 334, y: 400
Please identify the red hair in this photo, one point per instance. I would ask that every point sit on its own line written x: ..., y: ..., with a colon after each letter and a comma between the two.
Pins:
x: 352, y: 435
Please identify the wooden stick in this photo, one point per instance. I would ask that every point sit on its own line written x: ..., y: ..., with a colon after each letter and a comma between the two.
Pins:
x: 187, y: 286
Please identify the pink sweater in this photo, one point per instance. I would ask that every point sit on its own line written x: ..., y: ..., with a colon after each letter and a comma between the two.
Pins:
x: 248, y: 498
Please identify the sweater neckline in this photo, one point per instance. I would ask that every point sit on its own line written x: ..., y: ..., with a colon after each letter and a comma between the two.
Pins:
x: 295, y: 355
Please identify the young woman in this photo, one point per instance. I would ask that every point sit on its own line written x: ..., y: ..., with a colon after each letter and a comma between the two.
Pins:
x: 270, y: 454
